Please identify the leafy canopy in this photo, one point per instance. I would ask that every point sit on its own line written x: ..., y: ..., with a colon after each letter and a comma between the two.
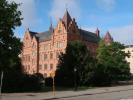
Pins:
x: 10, y: 46
x: 112, y: 58
x: 78, y: 57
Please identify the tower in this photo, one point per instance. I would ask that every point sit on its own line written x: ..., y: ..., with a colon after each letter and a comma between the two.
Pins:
x: 108, y: 39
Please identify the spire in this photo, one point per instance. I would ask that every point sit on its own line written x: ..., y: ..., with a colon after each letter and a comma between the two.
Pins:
x: 51, y: 26
x: 108, y: 39
x: 97, y: 32
x: 66, y: 19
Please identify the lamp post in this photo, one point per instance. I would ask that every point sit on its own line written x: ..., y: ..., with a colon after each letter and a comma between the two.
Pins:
x: 75, y: 79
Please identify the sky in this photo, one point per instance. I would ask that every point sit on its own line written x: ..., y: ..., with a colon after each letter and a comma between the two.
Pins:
x: 115, y: 16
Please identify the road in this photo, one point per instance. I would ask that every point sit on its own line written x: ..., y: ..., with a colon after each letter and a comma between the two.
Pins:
x: 105, y: 93
x: 121, y: 95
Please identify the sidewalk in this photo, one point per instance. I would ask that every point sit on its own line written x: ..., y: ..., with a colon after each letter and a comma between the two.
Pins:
x: 64, y: 94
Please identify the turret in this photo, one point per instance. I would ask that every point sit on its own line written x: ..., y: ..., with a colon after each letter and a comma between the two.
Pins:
x: 108, y: 39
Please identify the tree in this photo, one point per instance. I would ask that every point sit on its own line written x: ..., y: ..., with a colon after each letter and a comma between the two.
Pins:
x: 74, y: 65
x: 10, y: 46
x: 111, y: 65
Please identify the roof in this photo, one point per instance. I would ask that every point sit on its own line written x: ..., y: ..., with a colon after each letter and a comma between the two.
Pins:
x: 32, y: 33
x: 86, y: 35
x: 89, y: 36
x: 108, y: 36
x: 41, y: 36
x: 66, y: 19
x: 44, y: 36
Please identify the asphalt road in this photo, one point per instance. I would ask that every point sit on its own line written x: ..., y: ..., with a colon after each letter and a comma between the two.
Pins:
x: 121, y: 95
x: 105, y: 93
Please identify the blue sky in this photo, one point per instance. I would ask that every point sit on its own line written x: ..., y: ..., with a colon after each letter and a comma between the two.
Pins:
x: 115, y: 16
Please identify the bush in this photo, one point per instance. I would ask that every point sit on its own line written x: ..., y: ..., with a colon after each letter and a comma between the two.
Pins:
x: 48, y: 81
x: 99, y: 77
x: 18, y: 82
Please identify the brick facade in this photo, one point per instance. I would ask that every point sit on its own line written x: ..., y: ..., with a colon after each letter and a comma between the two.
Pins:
x: 40, y: 50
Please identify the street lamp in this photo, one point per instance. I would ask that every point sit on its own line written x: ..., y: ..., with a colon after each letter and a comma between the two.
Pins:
x: 75, y: 79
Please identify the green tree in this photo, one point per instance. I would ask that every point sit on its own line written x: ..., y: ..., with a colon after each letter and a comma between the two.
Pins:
x: 10, y: 48
x: 10, y: 45
x: 74, y: 64
x: 111, y: 65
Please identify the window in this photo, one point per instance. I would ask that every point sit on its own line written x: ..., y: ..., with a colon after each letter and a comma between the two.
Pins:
x: 40, y: 56
x: 40, y: 67
x: 59, y: 31
x: 46, y: 46
x: 45, y: 56
x: 28, y: 58
x: 26, y: 37
x: 51, y: 66
x: 33, y: 54
x: 45, y: 66
x: 33, y: 62
x: 57, y: 54
x: 59, y: 45
x: 51, y: 55
x: 28, y: 67
x: 33, y: 45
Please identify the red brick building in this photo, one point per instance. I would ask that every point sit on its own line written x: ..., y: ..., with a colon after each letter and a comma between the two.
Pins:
x: 40, y: 50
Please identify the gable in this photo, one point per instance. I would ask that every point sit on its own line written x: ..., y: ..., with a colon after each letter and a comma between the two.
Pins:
x: 60, y: 28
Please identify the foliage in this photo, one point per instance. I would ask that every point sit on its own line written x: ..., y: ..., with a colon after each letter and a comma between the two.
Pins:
x: 111, y: 64
x: 49, y: 81
x: 10, y: 46
x: 78, y: 57
x: 18, y: 82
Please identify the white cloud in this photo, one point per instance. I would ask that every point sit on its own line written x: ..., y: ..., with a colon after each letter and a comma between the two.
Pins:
x: 106, y: 5
x: 123, y: 34
x: 59, y: 6
x: 28, y: 10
